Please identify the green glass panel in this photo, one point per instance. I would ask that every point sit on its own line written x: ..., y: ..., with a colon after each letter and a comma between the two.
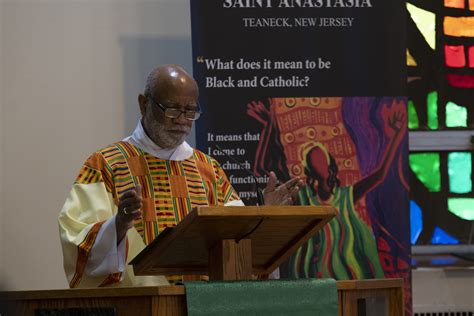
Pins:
x: 432, y: 102
x: 462, y: 207
x: 456, y: 116
x: 412, y: 116
x: 426, y: 168
x: 459, y: 170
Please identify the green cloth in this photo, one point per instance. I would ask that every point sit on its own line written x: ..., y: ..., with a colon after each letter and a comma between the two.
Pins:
x: 270, y: 297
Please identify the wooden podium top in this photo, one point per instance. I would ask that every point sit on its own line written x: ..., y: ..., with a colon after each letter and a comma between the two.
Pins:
x: 167, y: 290
x: 275, y: 232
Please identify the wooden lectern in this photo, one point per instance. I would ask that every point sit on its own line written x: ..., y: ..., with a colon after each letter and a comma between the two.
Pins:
x: 232, y: 243
x: 227, y: 243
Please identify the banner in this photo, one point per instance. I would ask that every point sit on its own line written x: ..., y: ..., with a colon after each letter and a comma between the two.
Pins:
x: 315, y: 89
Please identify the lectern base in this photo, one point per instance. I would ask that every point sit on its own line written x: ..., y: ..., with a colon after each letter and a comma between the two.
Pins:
x: 231, y: 260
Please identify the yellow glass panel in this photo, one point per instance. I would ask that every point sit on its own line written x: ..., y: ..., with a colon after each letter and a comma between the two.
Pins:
x: 459, y: 26
x: 471, y: 5
x: 410, y: 60
x: 426, y: 22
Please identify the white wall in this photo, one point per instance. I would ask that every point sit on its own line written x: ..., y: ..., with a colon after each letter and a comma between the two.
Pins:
x: 71, y: 72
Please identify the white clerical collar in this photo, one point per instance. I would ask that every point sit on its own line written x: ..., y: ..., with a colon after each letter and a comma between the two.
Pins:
x: 140, y: 139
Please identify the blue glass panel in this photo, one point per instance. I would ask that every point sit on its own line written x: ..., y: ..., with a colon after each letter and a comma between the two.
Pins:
x: 444, y: 261
x: 442, y: 237
x: 416, y: 221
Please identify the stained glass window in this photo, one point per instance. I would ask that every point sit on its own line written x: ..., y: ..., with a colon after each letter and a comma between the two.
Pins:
x: 432, y: 101
x: 462, y: 207
x: 441, y: 237
x: 426, y: 168
x: 460, y: 173
x: 454, y: 55
x: 440, y: 59
x: 471, y: 56
x: 416, y: 221
x: 454, y: 4
x: 456, y: 116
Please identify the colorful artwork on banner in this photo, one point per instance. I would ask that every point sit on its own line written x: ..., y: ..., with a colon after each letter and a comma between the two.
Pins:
x: 351, y: 153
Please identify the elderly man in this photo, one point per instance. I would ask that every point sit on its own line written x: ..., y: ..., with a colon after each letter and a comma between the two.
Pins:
x: 130, y: 191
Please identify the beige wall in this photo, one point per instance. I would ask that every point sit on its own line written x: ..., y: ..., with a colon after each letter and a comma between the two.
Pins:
x: 443, y: 290
x: 71, y: 73
x: 2, y: 229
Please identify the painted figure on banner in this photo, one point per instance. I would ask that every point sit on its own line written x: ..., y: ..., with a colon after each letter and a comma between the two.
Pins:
x: 350, y: 151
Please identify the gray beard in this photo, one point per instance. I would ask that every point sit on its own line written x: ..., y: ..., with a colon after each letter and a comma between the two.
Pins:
x: 164, y: 139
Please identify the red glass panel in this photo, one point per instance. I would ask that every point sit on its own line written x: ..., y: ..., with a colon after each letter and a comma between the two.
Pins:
x: 471, y: 56
x: 460, y: 81
x: 454, y: 56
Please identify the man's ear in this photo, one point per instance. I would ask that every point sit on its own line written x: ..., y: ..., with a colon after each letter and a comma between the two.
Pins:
x: 142, y: 101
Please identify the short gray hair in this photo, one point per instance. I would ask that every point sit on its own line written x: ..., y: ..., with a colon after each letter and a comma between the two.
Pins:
x: 151, y: 82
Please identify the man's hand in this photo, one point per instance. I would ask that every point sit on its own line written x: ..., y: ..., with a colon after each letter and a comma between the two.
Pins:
x: 128, y: 210
x: 282, y: 194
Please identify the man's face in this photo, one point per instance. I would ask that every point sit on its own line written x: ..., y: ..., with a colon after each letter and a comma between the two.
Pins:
x: 164, y: 131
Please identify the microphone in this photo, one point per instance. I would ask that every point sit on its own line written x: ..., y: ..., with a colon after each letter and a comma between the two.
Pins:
x: 242, y: 167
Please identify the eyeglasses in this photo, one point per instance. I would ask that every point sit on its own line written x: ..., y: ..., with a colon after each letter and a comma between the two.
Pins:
x: 174, y: 113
